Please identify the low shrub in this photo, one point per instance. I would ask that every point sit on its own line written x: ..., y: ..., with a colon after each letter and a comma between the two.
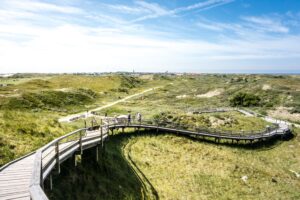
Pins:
x: 245, y: 100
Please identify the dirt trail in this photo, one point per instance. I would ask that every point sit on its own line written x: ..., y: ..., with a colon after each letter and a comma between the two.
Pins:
x: 73, y: 117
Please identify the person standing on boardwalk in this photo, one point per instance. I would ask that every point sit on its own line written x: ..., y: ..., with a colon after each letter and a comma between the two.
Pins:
x: 139, y: 117
x: 129, y: 118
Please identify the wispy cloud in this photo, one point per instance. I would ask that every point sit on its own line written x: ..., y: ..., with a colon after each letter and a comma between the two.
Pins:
x: 203, y: 5
x: 158, y: 11
x: 219, y: 26
x: 247, y: 26
x: 36, y: 6
x: 128, y: 9
x: 266, y: 24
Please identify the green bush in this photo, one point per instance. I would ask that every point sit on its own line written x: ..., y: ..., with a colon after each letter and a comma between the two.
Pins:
x: 245, y: 99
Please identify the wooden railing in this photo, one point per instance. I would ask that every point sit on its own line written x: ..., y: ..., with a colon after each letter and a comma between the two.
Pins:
x: 55, y: 152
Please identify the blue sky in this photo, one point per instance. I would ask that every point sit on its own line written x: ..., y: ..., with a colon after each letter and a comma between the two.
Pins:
x: 180, y: 36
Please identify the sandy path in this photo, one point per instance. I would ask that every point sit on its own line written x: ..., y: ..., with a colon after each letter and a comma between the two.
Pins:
x: 85, y: 114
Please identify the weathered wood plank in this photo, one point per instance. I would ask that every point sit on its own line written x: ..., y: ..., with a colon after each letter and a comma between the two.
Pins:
x: 17, y: 196
x: 12, y: 192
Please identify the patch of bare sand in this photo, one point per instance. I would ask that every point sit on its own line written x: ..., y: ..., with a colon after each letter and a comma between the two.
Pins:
x: 283, y: 113
x: 182, y: 96
x: 9, y: 95
x: 63, y: 89
x: 266, y: 87
x: 211, y: 93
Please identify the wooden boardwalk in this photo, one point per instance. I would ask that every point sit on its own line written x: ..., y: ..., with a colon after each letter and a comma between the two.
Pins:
x: 23, y: 178
x: 15, y: 179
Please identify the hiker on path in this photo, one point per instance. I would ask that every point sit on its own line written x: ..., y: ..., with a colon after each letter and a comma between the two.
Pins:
x: 129, y: 118
x: 139, y: 117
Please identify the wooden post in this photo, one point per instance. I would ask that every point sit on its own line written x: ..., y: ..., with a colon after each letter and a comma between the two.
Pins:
x: 75, y: 162
x: 97, y: 153
x: 101, y: 132
x: 57, y: 157
x: 85, y: 126
x: 51, y: 185
x: 80, y: 142
x: 108, y: 130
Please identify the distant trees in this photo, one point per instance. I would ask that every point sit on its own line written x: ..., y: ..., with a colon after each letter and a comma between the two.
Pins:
x: 245, y: 99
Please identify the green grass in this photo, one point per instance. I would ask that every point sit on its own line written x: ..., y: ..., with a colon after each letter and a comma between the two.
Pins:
x: 31, y: 107
x: 182, y: 168
x: 23, y: 132
x: 205, y: 171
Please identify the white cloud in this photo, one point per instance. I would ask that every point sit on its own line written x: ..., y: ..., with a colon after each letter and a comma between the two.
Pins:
x: 128, y: 9
x: 36, y: 6
x: 153, y: 7
x: 203, y: 5
x: 115, y: 44
x: 71, y: 48
x: 266, y: 24
x: 218, y: 26
x: 158, y: 11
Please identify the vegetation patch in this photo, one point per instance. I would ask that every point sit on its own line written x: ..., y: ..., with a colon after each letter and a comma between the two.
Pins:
x: 245, y: 100
x: 168, y: 162
x: 48, y: 100
x: 227, y: 121
x: 205, y: 171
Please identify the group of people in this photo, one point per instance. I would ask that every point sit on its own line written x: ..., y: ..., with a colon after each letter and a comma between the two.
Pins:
x: 138, y: 117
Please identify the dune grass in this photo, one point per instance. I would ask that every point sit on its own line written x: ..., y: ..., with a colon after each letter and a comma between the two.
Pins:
x: 23, y: 132
x: 183, y: 168
x: 180, y: 168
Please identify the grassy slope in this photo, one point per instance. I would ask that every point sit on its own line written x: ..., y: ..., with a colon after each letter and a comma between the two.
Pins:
x: 28, y: 119
x: 24, y: 130
x: 182, y: 168
x: 166, y: 98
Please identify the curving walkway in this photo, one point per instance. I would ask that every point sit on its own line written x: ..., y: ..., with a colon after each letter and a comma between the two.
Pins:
x: 24, y: 178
